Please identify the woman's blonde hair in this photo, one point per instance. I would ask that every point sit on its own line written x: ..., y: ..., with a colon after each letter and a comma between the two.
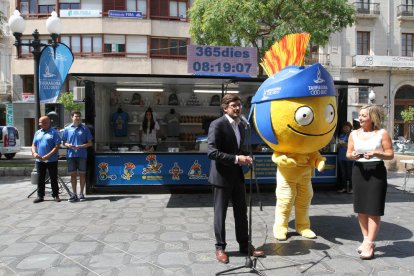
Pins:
x: 376, y: 114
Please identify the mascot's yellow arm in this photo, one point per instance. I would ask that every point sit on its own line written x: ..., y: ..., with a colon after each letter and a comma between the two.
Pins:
x: 291, y: 160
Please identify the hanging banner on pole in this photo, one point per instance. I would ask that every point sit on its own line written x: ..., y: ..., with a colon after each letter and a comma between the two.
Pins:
x: 53, y: 69
x: 9, y: 114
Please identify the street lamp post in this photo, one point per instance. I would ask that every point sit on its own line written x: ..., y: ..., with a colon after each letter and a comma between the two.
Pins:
x: 17, y: 25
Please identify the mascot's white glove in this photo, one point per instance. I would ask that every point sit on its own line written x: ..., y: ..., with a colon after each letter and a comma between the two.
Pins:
x: 318, y: 161
x: 283, y: 161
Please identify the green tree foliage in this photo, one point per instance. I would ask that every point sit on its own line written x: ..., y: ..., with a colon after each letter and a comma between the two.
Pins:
x: 246, y: 22
x: 66, y: 99
x: 408, y: 114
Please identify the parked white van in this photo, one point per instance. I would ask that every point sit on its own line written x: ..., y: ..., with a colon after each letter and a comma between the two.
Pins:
x: 9, y: 141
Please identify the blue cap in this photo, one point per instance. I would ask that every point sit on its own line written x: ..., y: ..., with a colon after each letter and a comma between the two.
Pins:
x: 290, y: 82
x: 296, y: 82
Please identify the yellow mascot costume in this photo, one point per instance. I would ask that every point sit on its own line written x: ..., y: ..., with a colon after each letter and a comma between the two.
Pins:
x: 294, y: 112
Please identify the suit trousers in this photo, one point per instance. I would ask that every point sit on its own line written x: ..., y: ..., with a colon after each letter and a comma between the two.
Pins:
x: 222, y: 196
x: 52, y: 168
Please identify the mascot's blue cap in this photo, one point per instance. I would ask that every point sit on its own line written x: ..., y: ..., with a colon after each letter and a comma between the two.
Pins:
x: 290, y: 82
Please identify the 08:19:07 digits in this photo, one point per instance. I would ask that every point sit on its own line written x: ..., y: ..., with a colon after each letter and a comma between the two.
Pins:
x: 221, y: 67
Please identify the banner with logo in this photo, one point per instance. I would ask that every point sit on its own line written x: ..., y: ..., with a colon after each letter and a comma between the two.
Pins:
x: 53, y: 69
x: 9, y: 114
x: 185, y: 169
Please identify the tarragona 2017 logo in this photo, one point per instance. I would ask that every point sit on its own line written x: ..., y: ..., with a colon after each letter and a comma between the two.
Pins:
x: 104, y: 172
x: 175, y: 171
x: 128, y: 171
x: 153, y: 165
x: 196, y: 171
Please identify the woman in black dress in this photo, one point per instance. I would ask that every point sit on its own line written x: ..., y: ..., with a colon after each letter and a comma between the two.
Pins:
x: 369, y: 146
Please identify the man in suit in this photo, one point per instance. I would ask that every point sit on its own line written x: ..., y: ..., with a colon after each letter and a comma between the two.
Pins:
x: 225, y: 140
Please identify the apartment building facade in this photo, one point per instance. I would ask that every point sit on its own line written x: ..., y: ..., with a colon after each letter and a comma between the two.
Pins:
x: 147, y: 37
x: 378, y: 48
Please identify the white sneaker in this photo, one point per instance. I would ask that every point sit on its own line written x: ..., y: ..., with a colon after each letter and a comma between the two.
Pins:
x: 82, y: 197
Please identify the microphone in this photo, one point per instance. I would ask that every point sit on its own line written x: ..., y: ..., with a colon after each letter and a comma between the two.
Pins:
x: 244, y: 120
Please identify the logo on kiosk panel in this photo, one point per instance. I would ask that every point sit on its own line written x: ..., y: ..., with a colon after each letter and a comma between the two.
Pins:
x: 103, y: 172
x: 128, y: 171
x: 153, y: 167
x: 175, y: 171
x: 196, y: 172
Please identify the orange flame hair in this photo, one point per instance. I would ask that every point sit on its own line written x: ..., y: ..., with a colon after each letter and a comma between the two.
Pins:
x: 290, y: 50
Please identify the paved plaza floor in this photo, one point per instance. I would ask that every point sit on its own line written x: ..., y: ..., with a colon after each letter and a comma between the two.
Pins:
x: 172, y: 234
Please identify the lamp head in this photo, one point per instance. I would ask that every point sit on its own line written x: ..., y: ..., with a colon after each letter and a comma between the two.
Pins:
x: 371, y: 95
x: 17, y: 23
x: 54, y: 24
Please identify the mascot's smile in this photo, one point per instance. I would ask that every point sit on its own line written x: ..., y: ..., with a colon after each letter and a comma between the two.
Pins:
x: 307, y: 134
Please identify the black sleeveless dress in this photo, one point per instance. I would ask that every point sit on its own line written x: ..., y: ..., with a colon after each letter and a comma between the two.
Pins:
x: 369, y: 180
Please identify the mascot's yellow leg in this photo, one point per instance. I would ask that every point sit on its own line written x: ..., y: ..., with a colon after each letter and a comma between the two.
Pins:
x: 302, y: 203
x: 285, y: 194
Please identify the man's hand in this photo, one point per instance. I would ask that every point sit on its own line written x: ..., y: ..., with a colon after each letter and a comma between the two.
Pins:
x: 245, y: 160
x: 72, y: 146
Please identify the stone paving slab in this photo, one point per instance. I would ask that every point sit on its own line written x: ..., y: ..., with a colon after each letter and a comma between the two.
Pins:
x: 166, y: 234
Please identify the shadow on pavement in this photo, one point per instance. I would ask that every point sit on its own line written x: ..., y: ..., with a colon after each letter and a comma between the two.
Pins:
x: 111, y: 198
x: 333, y: 228
x: 399, y: 249
x: 293, y: 247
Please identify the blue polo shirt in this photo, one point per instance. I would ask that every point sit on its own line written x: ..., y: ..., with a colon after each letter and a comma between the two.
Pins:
x: 45, y: 141
x: 76, y: 136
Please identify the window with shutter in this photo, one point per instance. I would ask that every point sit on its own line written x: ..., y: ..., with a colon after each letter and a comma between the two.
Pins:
x: 119, y: 5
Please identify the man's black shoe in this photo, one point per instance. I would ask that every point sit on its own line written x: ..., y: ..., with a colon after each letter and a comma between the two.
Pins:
x: 38, y: 199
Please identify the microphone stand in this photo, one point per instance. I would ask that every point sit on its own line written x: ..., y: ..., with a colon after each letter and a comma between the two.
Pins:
x: 250, y: 262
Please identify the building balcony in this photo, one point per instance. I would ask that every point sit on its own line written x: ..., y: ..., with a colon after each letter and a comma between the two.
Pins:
x: 384, y: 62
x: 366, y: 10
x: 405, y: 12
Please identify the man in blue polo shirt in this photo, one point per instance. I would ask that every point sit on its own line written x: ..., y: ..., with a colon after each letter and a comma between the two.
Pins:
x: 45, y: 147
x: 77, y: 137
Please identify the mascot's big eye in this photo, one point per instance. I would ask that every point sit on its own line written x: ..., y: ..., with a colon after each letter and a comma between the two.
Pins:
x: 329, y: 113
x: 304, y: 115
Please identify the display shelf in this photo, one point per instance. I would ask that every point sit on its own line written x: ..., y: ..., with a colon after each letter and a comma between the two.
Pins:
x: 192, y: 119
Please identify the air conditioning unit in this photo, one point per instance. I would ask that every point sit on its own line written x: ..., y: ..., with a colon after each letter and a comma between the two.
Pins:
x: 78, y: 93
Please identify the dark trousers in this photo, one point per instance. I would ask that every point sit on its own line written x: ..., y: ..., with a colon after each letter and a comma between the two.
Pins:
x: 345, y: 170
x: 222, y: 197
x: 52, y: 168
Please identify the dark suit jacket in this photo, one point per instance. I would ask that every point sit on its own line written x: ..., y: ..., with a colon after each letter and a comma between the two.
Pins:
x: 222, y: 150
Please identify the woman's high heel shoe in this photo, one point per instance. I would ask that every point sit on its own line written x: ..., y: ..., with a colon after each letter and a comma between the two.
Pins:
x: 367, y: 252
x: 359, y: 249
